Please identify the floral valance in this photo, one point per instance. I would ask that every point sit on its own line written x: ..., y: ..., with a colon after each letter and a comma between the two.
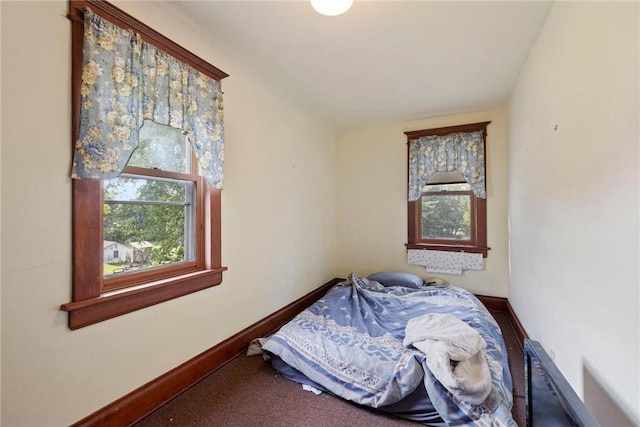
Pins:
x: 126, y: 80
x: 461, y: 152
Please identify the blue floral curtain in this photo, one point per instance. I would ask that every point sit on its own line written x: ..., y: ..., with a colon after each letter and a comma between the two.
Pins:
x: 126, y: 80
x: 457, y: 152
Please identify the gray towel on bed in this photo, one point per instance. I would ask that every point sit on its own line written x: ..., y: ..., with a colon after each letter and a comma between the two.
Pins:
x: 454, y: 354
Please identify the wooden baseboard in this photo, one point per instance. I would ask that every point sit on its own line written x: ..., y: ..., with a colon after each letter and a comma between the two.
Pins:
x: 493, y: 303
x: 139, y: 403
x: 517, y: 326
x: 502, y: 304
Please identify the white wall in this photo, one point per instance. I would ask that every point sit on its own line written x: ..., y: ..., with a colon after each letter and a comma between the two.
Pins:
x: 278, y: 224
x: 372, y: 201
x: 574, y: 195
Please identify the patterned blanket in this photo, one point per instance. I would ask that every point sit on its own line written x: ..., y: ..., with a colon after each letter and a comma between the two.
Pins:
x: 351, y: 343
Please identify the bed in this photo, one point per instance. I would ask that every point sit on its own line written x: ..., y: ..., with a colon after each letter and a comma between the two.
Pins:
x: 367, y: 341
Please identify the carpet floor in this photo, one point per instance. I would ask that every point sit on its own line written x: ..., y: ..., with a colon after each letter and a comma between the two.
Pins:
x: 248, y: 392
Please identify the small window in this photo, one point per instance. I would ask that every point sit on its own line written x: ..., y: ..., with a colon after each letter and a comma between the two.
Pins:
x: 448, y: 215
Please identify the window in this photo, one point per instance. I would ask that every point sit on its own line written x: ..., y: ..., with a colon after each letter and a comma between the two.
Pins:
x: 155, y: 207
x: 446, y: 213
x: 159, y: 217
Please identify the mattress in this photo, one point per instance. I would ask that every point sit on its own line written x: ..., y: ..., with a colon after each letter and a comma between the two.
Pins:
x: 350, y: 343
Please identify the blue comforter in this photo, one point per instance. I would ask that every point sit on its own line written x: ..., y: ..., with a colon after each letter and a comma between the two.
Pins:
x: 350, y: 343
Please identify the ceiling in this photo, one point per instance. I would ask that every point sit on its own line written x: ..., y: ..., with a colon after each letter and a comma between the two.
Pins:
x: 382, y: 61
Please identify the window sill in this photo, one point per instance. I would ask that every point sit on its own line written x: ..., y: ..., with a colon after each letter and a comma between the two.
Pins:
x: 118, y: 302
x: 451, y: 248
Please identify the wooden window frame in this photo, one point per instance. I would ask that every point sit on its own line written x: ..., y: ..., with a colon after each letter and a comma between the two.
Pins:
x: 478, y: 239
x: 150, y: 275
x: 473, y: 226
x: 91, y: 303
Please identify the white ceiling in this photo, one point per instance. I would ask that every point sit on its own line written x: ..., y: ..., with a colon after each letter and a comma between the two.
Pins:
x: 382, y: 61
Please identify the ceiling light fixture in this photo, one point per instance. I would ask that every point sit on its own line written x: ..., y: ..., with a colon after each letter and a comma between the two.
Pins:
x: 331, y: 7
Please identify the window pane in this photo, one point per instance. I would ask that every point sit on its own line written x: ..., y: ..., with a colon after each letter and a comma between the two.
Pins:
x: 446, y: 216
x: 446, y: 177
x: 446, y: 187
x: 132, y: 188
x: 161, y: 147
x: 147, y: 223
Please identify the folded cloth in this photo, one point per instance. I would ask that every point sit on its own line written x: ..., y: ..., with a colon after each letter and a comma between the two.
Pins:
x: 255, y: 348
x: 455, y: 354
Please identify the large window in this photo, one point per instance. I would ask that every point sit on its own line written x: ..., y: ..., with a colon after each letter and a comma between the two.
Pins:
x: 154, y: 208
x: 153, y: 232
x: 447, y: 214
